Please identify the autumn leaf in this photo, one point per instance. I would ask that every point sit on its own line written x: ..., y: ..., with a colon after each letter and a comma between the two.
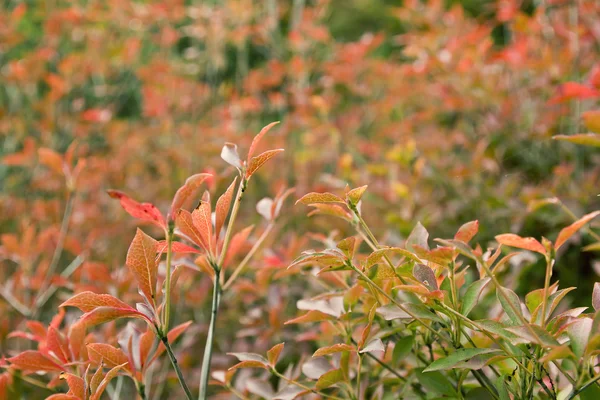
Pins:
x: 31, y: 360
x: 76, y: 385
x: 97, y: 394
x: 222, y: 207
x: 144, y: 211
x: 202, y: 220
x: 88, y: 301
x: 256, y: 162
x: 467, y: 231
x: 185, y: 225
x: 107, y: 354
x: 570, y: 230
x: 527, y: 243
x: 573, y: 90
x: 258, y: 138
x: 142, y: 262
x: 101, y: 315
x: 314, y: 197
x: 52, y: 160
x: 176, y: 247
x: 311, y: 316
x: 336, y: 348
x: 273, y: 354
x: 183, y: 193
x: 586, y: 139
x: 354, y: 195
x: 591, y: 120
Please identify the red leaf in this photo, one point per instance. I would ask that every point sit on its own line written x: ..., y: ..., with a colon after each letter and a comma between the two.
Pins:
x: 273, y: 353
x: 189, y: 188
x: 76, y: 385
x: 573, y: 90
x: 256, y: 162
x: 467, y: 231
x: 107, y: 354
x: 57, y: 345
x: 97, y: 394
x: 570, y: 230
x: 105, y: 314
x: 185, y: 224
x: 222, y: 208
x: 51, y: 159
x: 31, y: 360
x: 88, y: 301
x: 176, y: 247
x: 257, y: 139
x: 144, y: 211
x: 336, y: 348
x: 202, y: 219
x: 527, y: 243
x: 142, y: 262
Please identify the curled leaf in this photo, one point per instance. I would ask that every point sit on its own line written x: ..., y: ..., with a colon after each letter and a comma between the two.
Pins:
x: 144, y: 211
x: 570, y: 230
x: 188, y: 189
x: 527, y: 243
x: 230, y: 155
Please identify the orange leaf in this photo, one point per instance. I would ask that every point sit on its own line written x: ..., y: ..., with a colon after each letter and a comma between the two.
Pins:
x: 330, y: 209
x: 256, y: 162
x: 31, y: 360
x: 63, y: 396
x: 202, y: 220
x: 467, y: 231
x: 591, y: 119
x: 248, y: 364
x: 56, y: 344
x: 185, y: 224
x: 144, y: 211
x: 273, y: 353
x: 237, y: 241
x: 142, y: 262
x: 172, y: 336
x: 183, y: 193
x: 101, y: 315
x: 570, y: 230
x: 146, y: 342
x: 258, y: 137
x: 336, y: 348
x: 585, y: 139
x: 176, y: 247
x: 222, y: 208
x: 88, y: 301
x: 107, y: 354
x: 97, y: 394
x: 314, y: 197
x: 76, y: 385
x: 527, y: 243
x: 311, y: 316
x: 51, y: 159
x: 573, y: 90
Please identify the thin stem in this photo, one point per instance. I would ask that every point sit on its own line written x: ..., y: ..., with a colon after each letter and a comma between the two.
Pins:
x: 44, y: 297
x: 15, y: 303
x: 232, y: 217
x: 549, y: 262
x: 295, y: 383
x: 248, y: 257
x: 576, y: 392
x: 141, y: 389
x: 62, y: 236
x: 383, y: 364
x: 210, y: 337
x: 184, y: 386
x: 394, y: 301
x: 358, y: 376
x: 167, y: 309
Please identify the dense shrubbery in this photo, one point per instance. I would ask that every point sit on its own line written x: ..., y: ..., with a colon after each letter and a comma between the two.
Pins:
x: 448, y: 117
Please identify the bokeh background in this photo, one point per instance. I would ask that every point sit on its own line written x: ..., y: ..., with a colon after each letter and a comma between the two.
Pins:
x: 446, y: 109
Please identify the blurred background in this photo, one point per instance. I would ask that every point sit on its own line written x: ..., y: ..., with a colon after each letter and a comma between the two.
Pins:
x: 446, y: 109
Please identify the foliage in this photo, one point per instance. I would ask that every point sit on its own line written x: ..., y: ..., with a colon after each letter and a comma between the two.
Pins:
x: 448, y: 115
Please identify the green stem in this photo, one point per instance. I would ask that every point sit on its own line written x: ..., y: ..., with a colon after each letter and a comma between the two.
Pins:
x: 232, y: 217
x: 248, y: 257
x: 358, y: 376
x: 141, y: 389
x: 576, y: 392
x: 549, y: 263
x: 184, y: 386
x: 167, y: 310
x: 210, y: 337
x: 301, y: 386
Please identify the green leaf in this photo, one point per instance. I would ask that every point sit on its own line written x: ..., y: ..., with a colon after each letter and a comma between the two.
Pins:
x: 456, y: 357
x: 435, y: 382
x: 510, y: 304
x: 472, y: 294
x: 501, y: 387
x: 329, y: 378
x: 402, y: 348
